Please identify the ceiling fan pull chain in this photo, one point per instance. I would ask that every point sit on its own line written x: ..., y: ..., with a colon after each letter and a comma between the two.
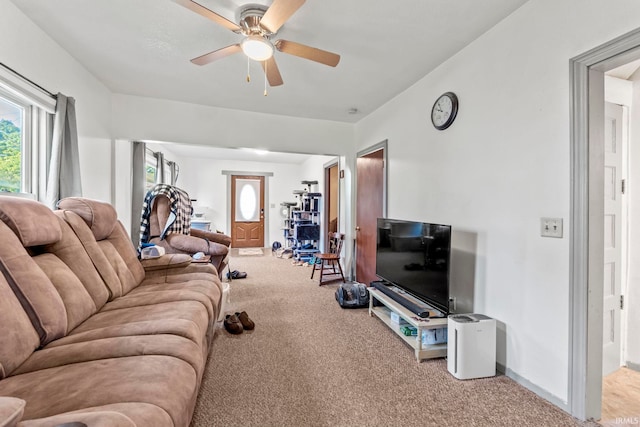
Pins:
x: 265, y: 78
x: 248, y: 73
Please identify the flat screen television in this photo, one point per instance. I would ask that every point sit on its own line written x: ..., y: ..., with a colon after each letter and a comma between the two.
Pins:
x: 415, y: 256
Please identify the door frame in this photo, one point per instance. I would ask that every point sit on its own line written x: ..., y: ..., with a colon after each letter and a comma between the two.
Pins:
x: 327, y: 185
x: 382, y: 145
x: 235, y: 224
x: 267, y: 208
x: 587, y: 222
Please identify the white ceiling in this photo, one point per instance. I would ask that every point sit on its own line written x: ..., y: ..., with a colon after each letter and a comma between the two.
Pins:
x: 625, y: 71
x: 143, y: 48
x: 242, y: 154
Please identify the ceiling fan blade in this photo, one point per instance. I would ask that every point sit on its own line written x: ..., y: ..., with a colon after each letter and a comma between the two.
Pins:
x: 308, y: 52
x: 273, y: 74
x: 278, y: 13
x: 208, y: 58
x: 208, y: 13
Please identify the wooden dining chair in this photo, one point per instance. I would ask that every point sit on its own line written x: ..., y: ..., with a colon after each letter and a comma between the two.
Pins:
x: 330, y: 259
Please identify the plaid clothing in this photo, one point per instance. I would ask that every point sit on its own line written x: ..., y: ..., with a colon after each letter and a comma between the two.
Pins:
x: 179, y: 220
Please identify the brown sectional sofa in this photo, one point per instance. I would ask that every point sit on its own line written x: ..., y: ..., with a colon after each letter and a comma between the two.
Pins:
x: 90, y: 334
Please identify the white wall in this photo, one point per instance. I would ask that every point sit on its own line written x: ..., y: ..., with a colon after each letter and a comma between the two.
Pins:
x: 502, y: 165
x: 140, y: 118
x: 31, y: 52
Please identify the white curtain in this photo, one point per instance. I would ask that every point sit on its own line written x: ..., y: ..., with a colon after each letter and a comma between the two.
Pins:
x: 175, y: 170
x: 159, y: 167
x: 138, y: 191
x: 64, y: 166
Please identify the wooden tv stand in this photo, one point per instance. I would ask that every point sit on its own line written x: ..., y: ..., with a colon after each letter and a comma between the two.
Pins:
x: 430, y: 351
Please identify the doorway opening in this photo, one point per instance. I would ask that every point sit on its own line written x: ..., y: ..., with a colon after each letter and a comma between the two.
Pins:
x: 332, y: 190
x: 620, y: 384
x: 596, y: 230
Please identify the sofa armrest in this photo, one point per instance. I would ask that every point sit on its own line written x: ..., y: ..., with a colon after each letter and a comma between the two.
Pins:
x: 11, y: 411
x: 166, y: 261
x: 193, y: 244
x: 220, y: 238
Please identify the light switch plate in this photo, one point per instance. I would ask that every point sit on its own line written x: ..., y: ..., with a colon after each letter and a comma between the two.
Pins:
x: 551, y: 227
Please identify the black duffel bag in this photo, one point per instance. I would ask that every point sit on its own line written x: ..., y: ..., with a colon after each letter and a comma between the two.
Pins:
x: 352, y: 295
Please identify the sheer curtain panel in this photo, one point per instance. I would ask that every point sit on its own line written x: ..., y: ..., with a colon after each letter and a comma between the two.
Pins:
x: 138, y: 190
x: 64, y: 167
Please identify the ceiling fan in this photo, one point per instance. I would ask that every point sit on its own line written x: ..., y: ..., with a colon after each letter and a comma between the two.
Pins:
x: 258, y: 24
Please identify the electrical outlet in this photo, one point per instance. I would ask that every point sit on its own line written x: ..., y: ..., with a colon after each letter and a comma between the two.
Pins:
x: 551, y: 227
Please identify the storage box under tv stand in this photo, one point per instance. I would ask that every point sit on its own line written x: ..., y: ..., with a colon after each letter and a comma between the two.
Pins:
x: 430, y: 351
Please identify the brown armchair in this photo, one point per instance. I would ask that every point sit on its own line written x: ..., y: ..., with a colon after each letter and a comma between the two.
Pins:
x: 210, y: 243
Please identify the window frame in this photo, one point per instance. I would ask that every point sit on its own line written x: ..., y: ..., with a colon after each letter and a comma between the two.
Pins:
x: 38, y: 108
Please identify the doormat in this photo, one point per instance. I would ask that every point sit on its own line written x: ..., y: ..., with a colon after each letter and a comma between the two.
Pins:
x: 250, y: 251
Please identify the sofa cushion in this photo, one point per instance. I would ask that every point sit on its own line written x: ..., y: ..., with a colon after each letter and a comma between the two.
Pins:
x: 141, y: 414
x: 115, y: 244
x: 95, y: 253
x: 121, y: 243
x: 192, y: 311
x: 18, y: 338
x: 159, y: 296
x: 108, y: 348
x: 99, y: 216
x: 180, y: 327
x: 72, y: 252
x: 164, y: 381
x: 210, y: 290
x: 33, y: 223
x: 77, y: 302
x: 37, y: 295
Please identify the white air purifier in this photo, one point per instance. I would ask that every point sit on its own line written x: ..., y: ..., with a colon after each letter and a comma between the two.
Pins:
x: 471, y: 346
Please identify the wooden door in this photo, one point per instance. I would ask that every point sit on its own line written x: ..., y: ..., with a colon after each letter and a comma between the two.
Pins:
x: 247, y: 211
x: 331, y: 185
x: 369, y: 207
x: 611, y: 336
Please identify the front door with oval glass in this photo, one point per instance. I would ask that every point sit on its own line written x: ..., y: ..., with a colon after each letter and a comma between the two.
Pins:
x: 247, y: 211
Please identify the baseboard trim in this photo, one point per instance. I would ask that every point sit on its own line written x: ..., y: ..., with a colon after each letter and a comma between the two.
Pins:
x: 534, y: 388
x: 633, y: 366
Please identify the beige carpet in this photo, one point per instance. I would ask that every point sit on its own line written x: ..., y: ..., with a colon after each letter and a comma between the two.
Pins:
x: 311, y: 363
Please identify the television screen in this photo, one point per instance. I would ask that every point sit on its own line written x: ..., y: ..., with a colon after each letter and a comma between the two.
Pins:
x: 415, y: 256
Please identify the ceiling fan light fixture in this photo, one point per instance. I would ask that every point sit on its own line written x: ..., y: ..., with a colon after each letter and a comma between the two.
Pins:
x: 257, y: 48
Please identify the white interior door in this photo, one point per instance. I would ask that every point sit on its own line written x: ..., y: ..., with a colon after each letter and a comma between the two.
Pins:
x: 611, y: 332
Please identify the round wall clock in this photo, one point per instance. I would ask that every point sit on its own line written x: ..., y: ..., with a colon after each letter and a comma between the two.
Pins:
x: 444, y: 110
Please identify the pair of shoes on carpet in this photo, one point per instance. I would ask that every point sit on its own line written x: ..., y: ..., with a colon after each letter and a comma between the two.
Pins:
x: 237, y: 323
x: 235, y: 274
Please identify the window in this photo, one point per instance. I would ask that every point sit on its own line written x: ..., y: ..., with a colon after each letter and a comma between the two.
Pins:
x: 12, y: 147
x: 170, y: 170
x: 26, y: 121
x: 149, y: 170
